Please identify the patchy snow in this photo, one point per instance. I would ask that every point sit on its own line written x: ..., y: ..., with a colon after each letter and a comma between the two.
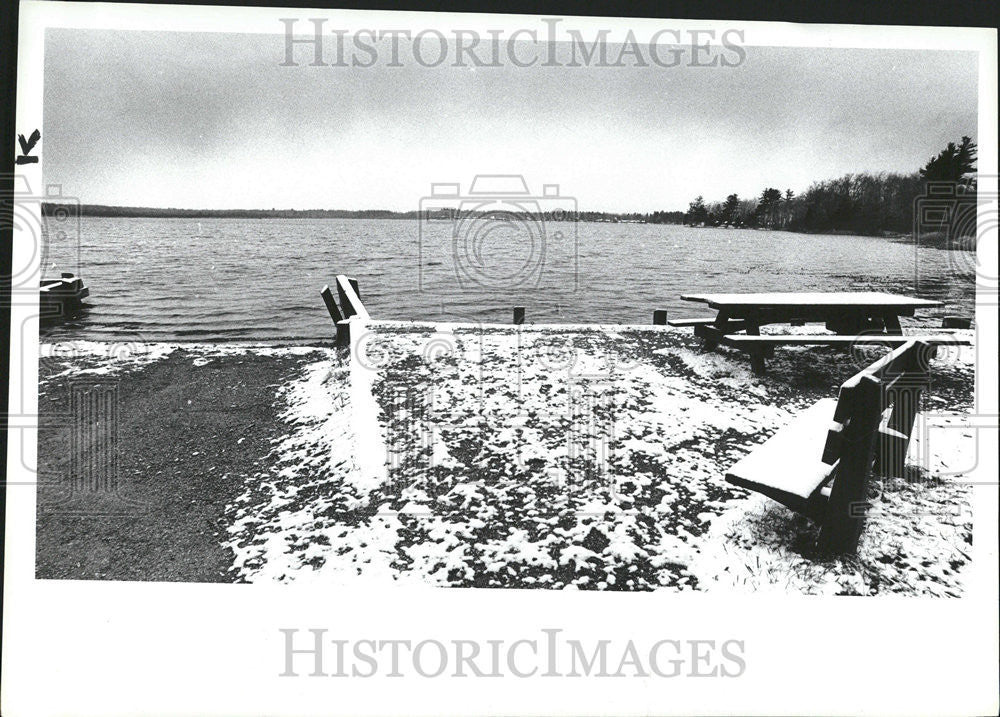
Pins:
x: 94, y: 358
x: 570, y: 458
x: 563, y: 458
x: 107, y: 358
x: 312, y: 515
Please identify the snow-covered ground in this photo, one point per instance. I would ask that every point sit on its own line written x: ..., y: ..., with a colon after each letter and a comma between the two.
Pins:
x: 578, y: 458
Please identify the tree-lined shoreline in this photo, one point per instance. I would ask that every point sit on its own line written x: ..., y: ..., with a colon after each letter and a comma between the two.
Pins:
x: 862, y: 203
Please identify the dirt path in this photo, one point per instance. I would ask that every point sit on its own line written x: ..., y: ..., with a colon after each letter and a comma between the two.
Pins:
x: 156, y: 461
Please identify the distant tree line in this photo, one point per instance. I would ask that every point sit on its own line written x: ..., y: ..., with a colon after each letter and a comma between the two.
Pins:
x: 659, y: 217
x: 102, y: 210
x: 854, y: 203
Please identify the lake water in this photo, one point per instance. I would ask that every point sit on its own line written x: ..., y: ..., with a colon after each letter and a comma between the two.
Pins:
x: 259, y: 279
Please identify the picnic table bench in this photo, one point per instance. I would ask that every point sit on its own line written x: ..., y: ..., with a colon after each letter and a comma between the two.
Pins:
x: 819, y: 464
x: 855, y: 317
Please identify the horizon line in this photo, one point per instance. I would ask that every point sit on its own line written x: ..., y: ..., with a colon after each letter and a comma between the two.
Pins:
x: 62, y: 201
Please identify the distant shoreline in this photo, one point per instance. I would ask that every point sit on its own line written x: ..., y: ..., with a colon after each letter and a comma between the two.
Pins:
x: 936, y: 238
x: 103, y: 210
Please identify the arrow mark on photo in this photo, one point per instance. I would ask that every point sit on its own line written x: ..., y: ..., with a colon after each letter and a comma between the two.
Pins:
x: 27, y: 146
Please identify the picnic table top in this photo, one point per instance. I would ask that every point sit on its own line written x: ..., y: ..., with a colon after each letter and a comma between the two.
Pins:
x: 847, y: 299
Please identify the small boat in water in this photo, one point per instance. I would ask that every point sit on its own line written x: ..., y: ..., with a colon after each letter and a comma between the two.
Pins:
x: 59, y: 298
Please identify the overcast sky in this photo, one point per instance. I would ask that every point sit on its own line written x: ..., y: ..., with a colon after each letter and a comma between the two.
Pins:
x: 203, y: 120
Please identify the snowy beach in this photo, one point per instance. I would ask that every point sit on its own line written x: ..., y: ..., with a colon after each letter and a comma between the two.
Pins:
x: 458, y: 455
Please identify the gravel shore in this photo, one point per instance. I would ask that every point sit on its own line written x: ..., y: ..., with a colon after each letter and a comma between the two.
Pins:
x: 144, y: 496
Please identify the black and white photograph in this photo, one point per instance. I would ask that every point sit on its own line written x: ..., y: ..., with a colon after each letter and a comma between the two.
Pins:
x: 624, y: 317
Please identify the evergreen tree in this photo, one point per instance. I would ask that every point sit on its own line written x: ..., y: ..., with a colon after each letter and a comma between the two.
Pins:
x: 697, y: 211
x: 951, y: 163
x: 767, y: 207
x: 730, y: 209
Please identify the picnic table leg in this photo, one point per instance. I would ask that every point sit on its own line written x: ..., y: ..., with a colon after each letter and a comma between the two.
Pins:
x: 752, y: 325
x: 721, y: 320
x: 892, y: 324
x: 758, y: 354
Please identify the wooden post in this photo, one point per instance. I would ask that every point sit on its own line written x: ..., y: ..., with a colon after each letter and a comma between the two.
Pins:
x: 659, y: 317
x: 350, y: 307
x: 331, y: 305
x: 344, y: 332
x: 847, y: 506
x: 518, y: 314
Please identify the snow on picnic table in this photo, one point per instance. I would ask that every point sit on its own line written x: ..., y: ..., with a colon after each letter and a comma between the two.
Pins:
x: 580, y: 458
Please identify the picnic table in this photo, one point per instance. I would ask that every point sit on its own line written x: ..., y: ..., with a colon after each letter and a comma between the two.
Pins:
x: 853, y: 317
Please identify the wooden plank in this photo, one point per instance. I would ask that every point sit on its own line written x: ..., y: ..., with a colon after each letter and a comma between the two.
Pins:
x: 691, y: 322
x: 868, y: 299
x: 350, y: 302
x: 710, y: 332
x: 847, y: 506
x: 895, y: 361
x: 834, y: 443
x: 845, y: 404
x: 331, y: 305
x: 788, y: 466
x: 740, y: 340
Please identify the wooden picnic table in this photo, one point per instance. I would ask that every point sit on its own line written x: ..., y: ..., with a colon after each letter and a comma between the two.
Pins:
x: 846, y: 313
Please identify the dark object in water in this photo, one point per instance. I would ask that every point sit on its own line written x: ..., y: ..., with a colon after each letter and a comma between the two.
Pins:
x: 518, y: 314
x: 956, y: 322
x: 659, y: 318
x: 60, y: 298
